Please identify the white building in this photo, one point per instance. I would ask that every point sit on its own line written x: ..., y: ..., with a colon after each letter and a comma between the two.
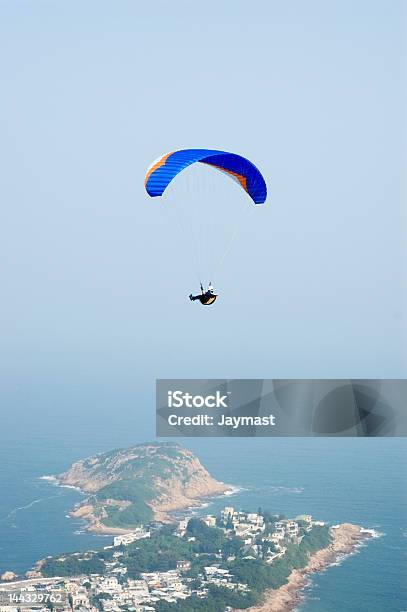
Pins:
x: 209, y: 520
x: 227, y: 514
x: 182, y: 527
x: 80, y: 599
x: 276, y: 538
x: 110, y: 584
x: 242, y: 530
x: 292, y: 528
x: 255, y: 518
x: 128, y: 538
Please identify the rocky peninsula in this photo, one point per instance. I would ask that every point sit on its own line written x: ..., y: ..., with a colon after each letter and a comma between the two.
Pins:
x: 234, y: 560
x: 132, y: 486
x: 345, y: 539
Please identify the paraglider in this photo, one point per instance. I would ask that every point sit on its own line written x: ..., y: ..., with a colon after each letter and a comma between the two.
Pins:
x: 205, y: 297
x: 163, y: 170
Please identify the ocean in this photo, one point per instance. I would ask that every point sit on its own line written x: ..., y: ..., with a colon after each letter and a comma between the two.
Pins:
x: 337, y: 480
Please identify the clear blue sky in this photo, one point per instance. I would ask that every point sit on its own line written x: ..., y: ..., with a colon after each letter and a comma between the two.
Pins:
x: 94, y: 301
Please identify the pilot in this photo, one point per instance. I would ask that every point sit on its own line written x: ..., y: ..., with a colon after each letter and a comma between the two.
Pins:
x: 205, y: 297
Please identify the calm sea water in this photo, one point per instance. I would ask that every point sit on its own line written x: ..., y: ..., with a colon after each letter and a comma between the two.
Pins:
x: 338, y: 480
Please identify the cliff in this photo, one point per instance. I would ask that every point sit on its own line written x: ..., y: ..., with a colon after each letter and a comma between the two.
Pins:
x: 345, y: 540
x: 131, y: 486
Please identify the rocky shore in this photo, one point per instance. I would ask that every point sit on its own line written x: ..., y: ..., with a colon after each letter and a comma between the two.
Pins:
x: 345, y: 539
x: 170, y: 478
x: 86, y: 512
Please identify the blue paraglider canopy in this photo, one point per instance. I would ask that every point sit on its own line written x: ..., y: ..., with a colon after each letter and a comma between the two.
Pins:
x: 165, y: 168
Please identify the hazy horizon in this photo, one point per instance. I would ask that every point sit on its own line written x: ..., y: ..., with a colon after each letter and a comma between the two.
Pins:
x: 94, y: 290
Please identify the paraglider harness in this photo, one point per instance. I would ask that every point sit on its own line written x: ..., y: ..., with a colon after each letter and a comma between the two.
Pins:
x: 206, y: 297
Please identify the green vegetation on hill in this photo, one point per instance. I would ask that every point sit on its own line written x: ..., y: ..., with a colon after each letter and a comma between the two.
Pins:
x: 137, y: 492
x: 257, y: 575
x: 73, y: 565
x: 135, y: 514
x: 201, y: 546
x: 123, y: 484
x: 141, y: 461
x: 161, y: 552
x: 158, y: 554
x: 211, y: 539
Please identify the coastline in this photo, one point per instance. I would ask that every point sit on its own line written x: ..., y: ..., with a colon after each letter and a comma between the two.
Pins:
x: 167, y: 478
x: 163, y: 512
x: 346, y: 538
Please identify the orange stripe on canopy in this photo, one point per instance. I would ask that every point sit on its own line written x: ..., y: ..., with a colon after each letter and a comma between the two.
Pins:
x: 160, y: 162
x: 241, y: 179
